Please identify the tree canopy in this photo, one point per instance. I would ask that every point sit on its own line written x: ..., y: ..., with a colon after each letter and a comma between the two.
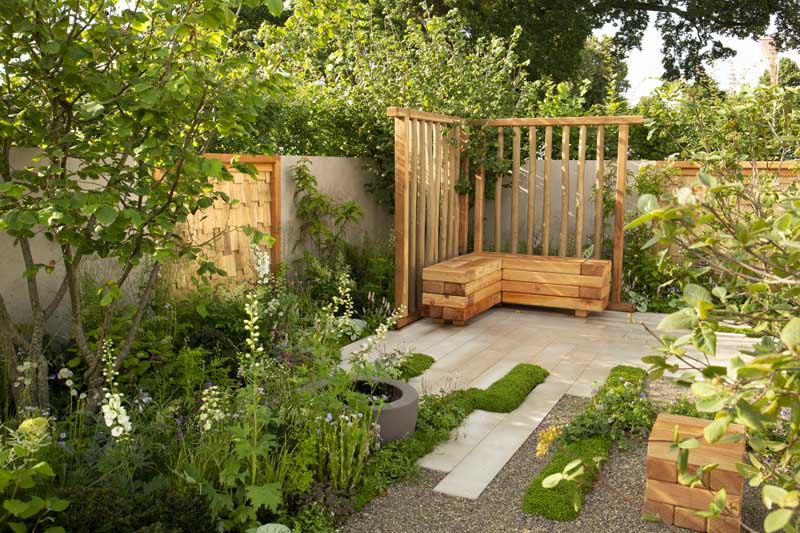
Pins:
x: 554, y: 31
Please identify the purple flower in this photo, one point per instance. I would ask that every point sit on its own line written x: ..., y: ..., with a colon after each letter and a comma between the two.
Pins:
x: 786, y: 413
x: 328, y: 417
x: 642, y: 395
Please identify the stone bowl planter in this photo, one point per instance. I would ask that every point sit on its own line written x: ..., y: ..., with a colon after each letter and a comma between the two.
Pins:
x: 397, y: 415
x: 396, y: 404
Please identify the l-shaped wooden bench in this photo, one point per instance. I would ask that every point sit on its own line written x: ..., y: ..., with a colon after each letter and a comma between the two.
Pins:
x: 459, y: 288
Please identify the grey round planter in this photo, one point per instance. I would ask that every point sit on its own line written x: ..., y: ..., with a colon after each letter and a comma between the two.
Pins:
x: 396, y: 417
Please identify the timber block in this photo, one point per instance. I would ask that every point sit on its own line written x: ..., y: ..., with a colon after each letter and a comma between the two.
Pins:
x: 664, y: 511
x: 460, y: 288
x: 662, y: 487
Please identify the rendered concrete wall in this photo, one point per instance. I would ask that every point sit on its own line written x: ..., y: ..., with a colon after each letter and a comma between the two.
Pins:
x: 342, y: 178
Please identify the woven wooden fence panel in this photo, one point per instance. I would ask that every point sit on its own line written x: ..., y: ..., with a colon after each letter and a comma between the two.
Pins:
x: 219, y: 229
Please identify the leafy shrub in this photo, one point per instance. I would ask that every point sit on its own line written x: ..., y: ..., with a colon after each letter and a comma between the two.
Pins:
x: 563, y: 502
x: 106, y: 509
x: 619, y: 408
x: 739, y: 224
x: 507, y: 393
x: 414, y: 365
x: 21, y: 470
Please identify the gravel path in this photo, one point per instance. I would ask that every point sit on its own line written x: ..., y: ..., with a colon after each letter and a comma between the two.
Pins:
x: 614, y: 505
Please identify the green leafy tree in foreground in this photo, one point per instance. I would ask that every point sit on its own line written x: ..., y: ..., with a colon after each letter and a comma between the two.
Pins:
x: 738, y: 232
x: 123, y: 99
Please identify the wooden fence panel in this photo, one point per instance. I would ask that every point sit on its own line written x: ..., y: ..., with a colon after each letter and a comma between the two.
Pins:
x: 219, y: 229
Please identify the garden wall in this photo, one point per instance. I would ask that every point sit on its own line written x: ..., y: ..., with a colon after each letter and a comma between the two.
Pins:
x: 341, y: 177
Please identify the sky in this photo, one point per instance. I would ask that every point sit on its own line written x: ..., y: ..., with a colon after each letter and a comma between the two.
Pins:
x: 644, y: 65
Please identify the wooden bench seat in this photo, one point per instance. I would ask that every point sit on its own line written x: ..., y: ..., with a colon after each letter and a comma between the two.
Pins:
x: 462, y: 287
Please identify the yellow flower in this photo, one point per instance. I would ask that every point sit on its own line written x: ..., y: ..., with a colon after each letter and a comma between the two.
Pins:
x: 33, y: 427
x: 546, y: 438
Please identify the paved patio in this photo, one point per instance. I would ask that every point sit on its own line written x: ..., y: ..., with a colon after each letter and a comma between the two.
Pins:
x: 578, y: 352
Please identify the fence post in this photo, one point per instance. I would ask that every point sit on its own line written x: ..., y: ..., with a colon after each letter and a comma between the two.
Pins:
x: 401, y: 213
x: 619, y: 218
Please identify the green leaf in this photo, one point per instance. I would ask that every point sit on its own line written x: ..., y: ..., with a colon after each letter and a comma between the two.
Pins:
x: 693, y: 294
x: 790, y: 335
x: 777, y: 519
x: 43, y: 469
x: 267, y: 496
x: 716, y: 429
x: 750, y: 416
x: 552, y: 480
x: 683, y: 319
x: 647, y: 203
x: 275, y: 7
x: 56, y: 504
x: 15, y: 507
x: 689, y: 444
x: 705, y: 339
x: 704, y: 389
x: 106, y: 215
x: 18, y: 527
x: 773, y: 495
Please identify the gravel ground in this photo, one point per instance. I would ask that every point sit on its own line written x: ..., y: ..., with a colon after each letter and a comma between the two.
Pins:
x: 615, y: 503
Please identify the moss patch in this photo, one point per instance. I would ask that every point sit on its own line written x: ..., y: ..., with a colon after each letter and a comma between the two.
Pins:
x: 563, y: 502
x: 507, y: 393
x: 414, y: 365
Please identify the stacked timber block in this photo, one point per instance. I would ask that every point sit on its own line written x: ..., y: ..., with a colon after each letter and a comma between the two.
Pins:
x: 563, y: 282
x: 459, y: 288
x: 676, y: 504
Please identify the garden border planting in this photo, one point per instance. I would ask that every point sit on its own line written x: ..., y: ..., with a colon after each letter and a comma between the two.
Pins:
x: 563, y: 501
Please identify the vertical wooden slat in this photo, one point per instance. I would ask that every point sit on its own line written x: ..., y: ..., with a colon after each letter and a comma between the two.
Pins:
x: 598, y: 191
x: 275, y: 214
x: 579, y: 207
x: 430, y: 208
x: 562, y: 240
x: 463, y: 201
x: 455, y: 168
x: 548, y: 164
x: 619, y: 215
x: 498, y: 193
x: 421, y: 149
x: 515, y: 157
x: 477, y: 237
x: 437, y: 188
x: 531, y: 187
x: 401, y: 213
x: 413, y: 177
x: 444, y: 197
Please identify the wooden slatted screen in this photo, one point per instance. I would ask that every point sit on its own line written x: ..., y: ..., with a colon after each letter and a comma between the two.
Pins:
x: 427, y: 206
x: 219, y: 228
x: 430, y: 217
x: 569, y: 242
